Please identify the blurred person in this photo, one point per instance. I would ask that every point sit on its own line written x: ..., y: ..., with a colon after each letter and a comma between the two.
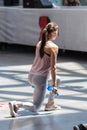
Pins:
x: 43, y: 66
x: 71, y: 3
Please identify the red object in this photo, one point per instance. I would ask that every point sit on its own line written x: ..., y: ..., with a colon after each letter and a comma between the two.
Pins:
x: 43, y: 21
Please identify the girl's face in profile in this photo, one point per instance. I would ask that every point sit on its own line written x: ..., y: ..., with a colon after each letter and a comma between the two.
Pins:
x: 54, y: 35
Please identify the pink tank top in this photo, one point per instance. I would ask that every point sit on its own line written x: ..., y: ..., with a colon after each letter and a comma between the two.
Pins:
x: 41, y: 66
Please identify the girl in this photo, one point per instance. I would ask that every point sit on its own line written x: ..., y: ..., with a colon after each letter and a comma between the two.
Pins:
x: 44, y: 64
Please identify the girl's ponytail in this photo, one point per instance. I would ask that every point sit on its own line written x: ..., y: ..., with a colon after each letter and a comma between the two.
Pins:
x: 43, y: 43
x: 46, y: 35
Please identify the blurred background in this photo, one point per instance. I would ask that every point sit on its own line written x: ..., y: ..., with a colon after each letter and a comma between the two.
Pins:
x: 58, y: 2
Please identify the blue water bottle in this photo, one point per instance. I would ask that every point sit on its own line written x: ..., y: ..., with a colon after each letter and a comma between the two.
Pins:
x: 50, y: 88
x: 33, y: 86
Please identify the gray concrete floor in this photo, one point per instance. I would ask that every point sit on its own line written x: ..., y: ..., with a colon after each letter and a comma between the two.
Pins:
x: 15, y: 63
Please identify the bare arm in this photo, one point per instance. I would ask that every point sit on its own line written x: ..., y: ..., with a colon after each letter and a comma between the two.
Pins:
x: 53, y: 60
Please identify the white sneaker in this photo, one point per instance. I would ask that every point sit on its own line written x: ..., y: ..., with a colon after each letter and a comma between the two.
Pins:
x: 52, y: 107
x: 13, y: 109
